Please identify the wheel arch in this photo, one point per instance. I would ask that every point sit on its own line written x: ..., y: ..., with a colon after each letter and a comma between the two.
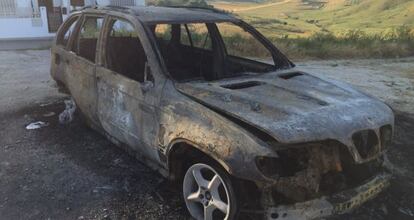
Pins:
x: 183, y: 148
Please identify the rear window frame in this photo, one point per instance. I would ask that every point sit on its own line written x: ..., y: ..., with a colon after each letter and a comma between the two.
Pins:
x: 65, y: 27
x: 73, y: 47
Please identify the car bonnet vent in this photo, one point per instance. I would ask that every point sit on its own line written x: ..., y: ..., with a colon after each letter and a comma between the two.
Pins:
x: 242, y: 85
x: 290, y: 75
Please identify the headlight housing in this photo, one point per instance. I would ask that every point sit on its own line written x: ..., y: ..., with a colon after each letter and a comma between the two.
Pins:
x: 289, y: 162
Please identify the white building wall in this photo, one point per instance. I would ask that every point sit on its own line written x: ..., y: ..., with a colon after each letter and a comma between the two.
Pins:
x: 24, y: 27
x: 24, y: 8
x: 31, y: 22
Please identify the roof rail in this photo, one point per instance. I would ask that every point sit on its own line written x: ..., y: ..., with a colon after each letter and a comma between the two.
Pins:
x: 84, y: 7
x: 118, y: 8
x: 115, y: 7
x: 198, y: 7
x: 102, y: 7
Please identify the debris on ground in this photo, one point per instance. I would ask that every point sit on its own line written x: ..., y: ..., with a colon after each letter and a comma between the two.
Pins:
x: 406, y: 211
x: 102, y: 188
x: 159, y: 196
x: 384, y: 209
x: 67, y: 115
x: 49, y: 114
x: 36, y: 125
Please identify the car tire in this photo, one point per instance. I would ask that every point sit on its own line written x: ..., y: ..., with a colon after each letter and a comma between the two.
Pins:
x: 209, y: 193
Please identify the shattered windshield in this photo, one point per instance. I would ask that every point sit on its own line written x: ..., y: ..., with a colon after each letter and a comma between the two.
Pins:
x: 211, y: 51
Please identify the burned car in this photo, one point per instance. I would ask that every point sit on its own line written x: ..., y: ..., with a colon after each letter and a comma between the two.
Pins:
x: 206, y: 100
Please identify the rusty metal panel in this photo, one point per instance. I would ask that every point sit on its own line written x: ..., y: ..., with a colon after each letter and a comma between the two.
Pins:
x: 80, y: 80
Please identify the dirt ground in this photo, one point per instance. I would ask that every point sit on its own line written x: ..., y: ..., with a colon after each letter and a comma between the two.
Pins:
x: 71, y: 172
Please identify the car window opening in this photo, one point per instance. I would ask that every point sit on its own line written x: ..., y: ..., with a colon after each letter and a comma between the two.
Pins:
x: 64, y: 36
x: 88, y: 37
x: 193, y: 51
x: 125, y: 54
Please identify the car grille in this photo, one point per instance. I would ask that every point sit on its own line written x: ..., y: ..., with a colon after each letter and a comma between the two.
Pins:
x: 366, y: 142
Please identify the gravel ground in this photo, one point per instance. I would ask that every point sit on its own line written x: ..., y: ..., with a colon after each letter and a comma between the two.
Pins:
x: 71, y: 172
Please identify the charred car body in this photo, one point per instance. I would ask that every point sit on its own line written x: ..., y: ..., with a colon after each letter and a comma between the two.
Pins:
x: 205, y: 99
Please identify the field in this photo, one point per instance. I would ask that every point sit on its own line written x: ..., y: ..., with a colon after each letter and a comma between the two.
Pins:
x: 345, y: 28
x: 303, y: 18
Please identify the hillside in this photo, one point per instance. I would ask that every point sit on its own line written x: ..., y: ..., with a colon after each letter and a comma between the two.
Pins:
x: 305, y: 17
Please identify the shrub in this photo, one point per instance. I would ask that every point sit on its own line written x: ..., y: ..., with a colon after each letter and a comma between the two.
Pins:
x: 398, y: 42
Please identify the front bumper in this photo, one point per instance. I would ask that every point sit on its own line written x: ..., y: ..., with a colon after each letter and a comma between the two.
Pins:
x: 329, y: 205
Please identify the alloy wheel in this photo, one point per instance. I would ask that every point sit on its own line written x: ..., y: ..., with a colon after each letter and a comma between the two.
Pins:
x: 205, y: 193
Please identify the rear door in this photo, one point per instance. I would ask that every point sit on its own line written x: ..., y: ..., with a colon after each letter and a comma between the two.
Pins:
x: 127, y: 90
x: 80, y: 65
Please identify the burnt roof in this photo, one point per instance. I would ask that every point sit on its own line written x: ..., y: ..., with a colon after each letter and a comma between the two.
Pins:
x: 155, y: 14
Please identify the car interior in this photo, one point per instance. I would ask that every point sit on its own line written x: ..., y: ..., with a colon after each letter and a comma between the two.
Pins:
x: 191, y: 54
x: 183, y: 59
x: 191, y: 51
x: 125, y: 54
x: 88, y: 37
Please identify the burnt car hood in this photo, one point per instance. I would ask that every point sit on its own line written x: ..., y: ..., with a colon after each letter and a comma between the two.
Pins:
x: 293, y: 107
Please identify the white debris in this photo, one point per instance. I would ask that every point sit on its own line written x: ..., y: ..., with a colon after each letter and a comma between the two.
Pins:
x: 406, y: 211
x: 36, y: 125
x: 46, y: 104
x: 67, y: 115
x: 104, y: 187
x: 49, y: 114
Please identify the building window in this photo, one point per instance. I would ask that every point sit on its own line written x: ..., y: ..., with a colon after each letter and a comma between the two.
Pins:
x: 21, y: 9
x: 123, y: 2
x: 7, y: 8
x: 79, y: 3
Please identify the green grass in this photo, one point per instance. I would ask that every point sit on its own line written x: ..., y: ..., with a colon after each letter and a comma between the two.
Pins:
x: 371, y: 16
x: 336, y: 29
x: 353, y: 44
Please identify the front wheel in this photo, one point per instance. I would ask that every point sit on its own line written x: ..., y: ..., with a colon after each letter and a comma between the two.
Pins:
x: 208, y: 193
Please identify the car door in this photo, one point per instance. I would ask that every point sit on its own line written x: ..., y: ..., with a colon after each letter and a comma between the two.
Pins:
x: 127, y: 90
x: 80, y: 66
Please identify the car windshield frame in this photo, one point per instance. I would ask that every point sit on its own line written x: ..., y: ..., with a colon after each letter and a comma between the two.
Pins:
x: 281, y: 62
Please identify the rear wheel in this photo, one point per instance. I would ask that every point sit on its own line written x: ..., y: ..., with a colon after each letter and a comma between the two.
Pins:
x: 208, y: 193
